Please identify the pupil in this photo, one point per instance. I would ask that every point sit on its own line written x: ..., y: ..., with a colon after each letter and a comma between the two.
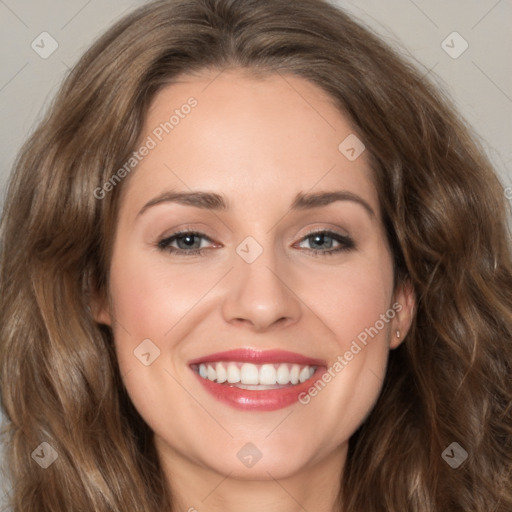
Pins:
x: 319, y: 239
x: 188, y: 240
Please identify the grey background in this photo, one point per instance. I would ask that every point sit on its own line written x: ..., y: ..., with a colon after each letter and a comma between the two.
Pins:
x: 479, y: 81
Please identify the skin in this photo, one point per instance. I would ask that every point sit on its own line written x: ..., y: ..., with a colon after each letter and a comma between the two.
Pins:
x: 258, y: 142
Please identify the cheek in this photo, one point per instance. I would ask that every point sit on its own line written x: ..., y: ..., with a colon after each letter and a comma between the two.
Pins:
x: 355, y: 305
x: 149, y: 300
x: 352, y: 299
x: 150, y: 297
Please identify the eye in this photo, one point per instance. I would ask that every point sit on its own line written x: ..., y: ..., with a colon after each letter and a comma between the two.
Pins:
x: 190, y: 243
x: 184, y: 242
x: 323, y: 243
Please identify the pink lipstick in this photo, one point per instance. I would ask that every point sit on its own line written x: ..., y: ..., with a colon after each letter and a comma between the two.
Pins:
x: 249, y: 379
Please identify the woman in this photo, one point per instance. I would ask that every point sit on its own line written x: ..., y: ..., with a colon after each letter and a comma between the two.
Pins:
x: 175, y: 335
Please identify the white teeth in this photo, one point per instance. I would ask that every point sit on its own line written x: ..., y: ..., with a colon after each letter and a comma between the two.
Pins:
x: 304, y: 374
x: 222, y: 376
x: 253, y: 376
x: 294, y: 374
x: 211, y: 373
x: 283, y: 374
x: 233, y: 374
x: 249, y: 374
x: 268, y: 375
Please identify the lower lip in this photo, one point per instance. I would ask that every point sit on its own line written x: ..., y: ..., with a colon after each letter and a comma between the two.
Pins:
x: 258, y: 400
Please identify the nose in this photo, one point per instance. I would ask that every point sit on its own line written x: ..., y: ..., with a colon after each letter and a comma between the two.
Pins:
x: 261, y: 295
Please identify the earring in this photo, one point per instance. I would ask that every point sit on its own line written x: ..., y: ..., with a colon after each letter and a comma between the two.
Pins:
x: 398, y: 334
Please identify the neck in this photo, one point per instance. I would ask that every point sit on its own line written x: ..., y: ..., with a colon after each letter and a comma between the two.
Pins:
x: 195, y: 488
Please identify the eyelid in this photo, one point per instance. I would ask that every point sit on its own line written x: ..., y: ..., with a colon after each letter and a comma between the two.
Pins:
x: 322, y: 227
x: 345, y: 242
x: 176, y: 234
x: 193, y: 231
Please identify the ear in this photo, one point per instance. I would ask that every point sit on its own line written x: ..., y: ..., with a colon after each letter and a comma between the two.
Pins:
x: 404, y: 302
x: 100, y: 308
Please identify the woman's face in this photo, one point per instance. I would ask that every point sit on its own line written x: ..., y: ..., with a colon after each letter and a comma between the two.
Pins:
x: 293, y: 285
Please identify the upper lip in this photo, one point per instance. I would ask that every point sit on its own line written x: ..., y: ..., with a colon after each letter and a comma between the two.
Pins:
x: 250, y: 355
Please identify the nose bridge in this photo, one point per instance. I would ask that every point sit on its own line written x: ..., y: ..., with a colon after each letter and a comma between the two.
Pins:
x: 259, y: 293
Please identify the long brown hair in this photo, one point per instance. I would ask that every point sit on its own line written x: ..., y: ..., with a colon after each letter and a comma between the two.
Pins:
x: 445, y: 214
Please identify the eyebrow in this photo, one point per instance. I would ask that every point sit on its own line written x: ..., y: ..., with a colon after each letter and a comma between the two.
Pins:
x: 213, y: 201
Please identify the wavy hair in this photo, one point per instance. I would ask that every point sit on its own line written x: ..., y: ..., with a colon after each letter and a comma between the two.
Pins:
x: 446, y: 218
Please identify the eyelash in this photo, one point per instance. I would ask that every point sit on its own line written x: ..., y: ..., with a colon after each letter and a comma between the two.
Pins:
x: 346, y: 243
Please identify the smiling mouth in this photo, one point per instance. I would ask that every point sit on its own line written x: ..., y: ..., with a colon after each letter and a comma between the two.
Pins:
x: 256, y: 380
x: 250, y: 376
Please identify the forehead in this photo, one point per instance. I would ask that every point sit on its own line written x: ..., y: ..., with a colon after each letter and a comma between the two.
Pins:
x: 257, y: 138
